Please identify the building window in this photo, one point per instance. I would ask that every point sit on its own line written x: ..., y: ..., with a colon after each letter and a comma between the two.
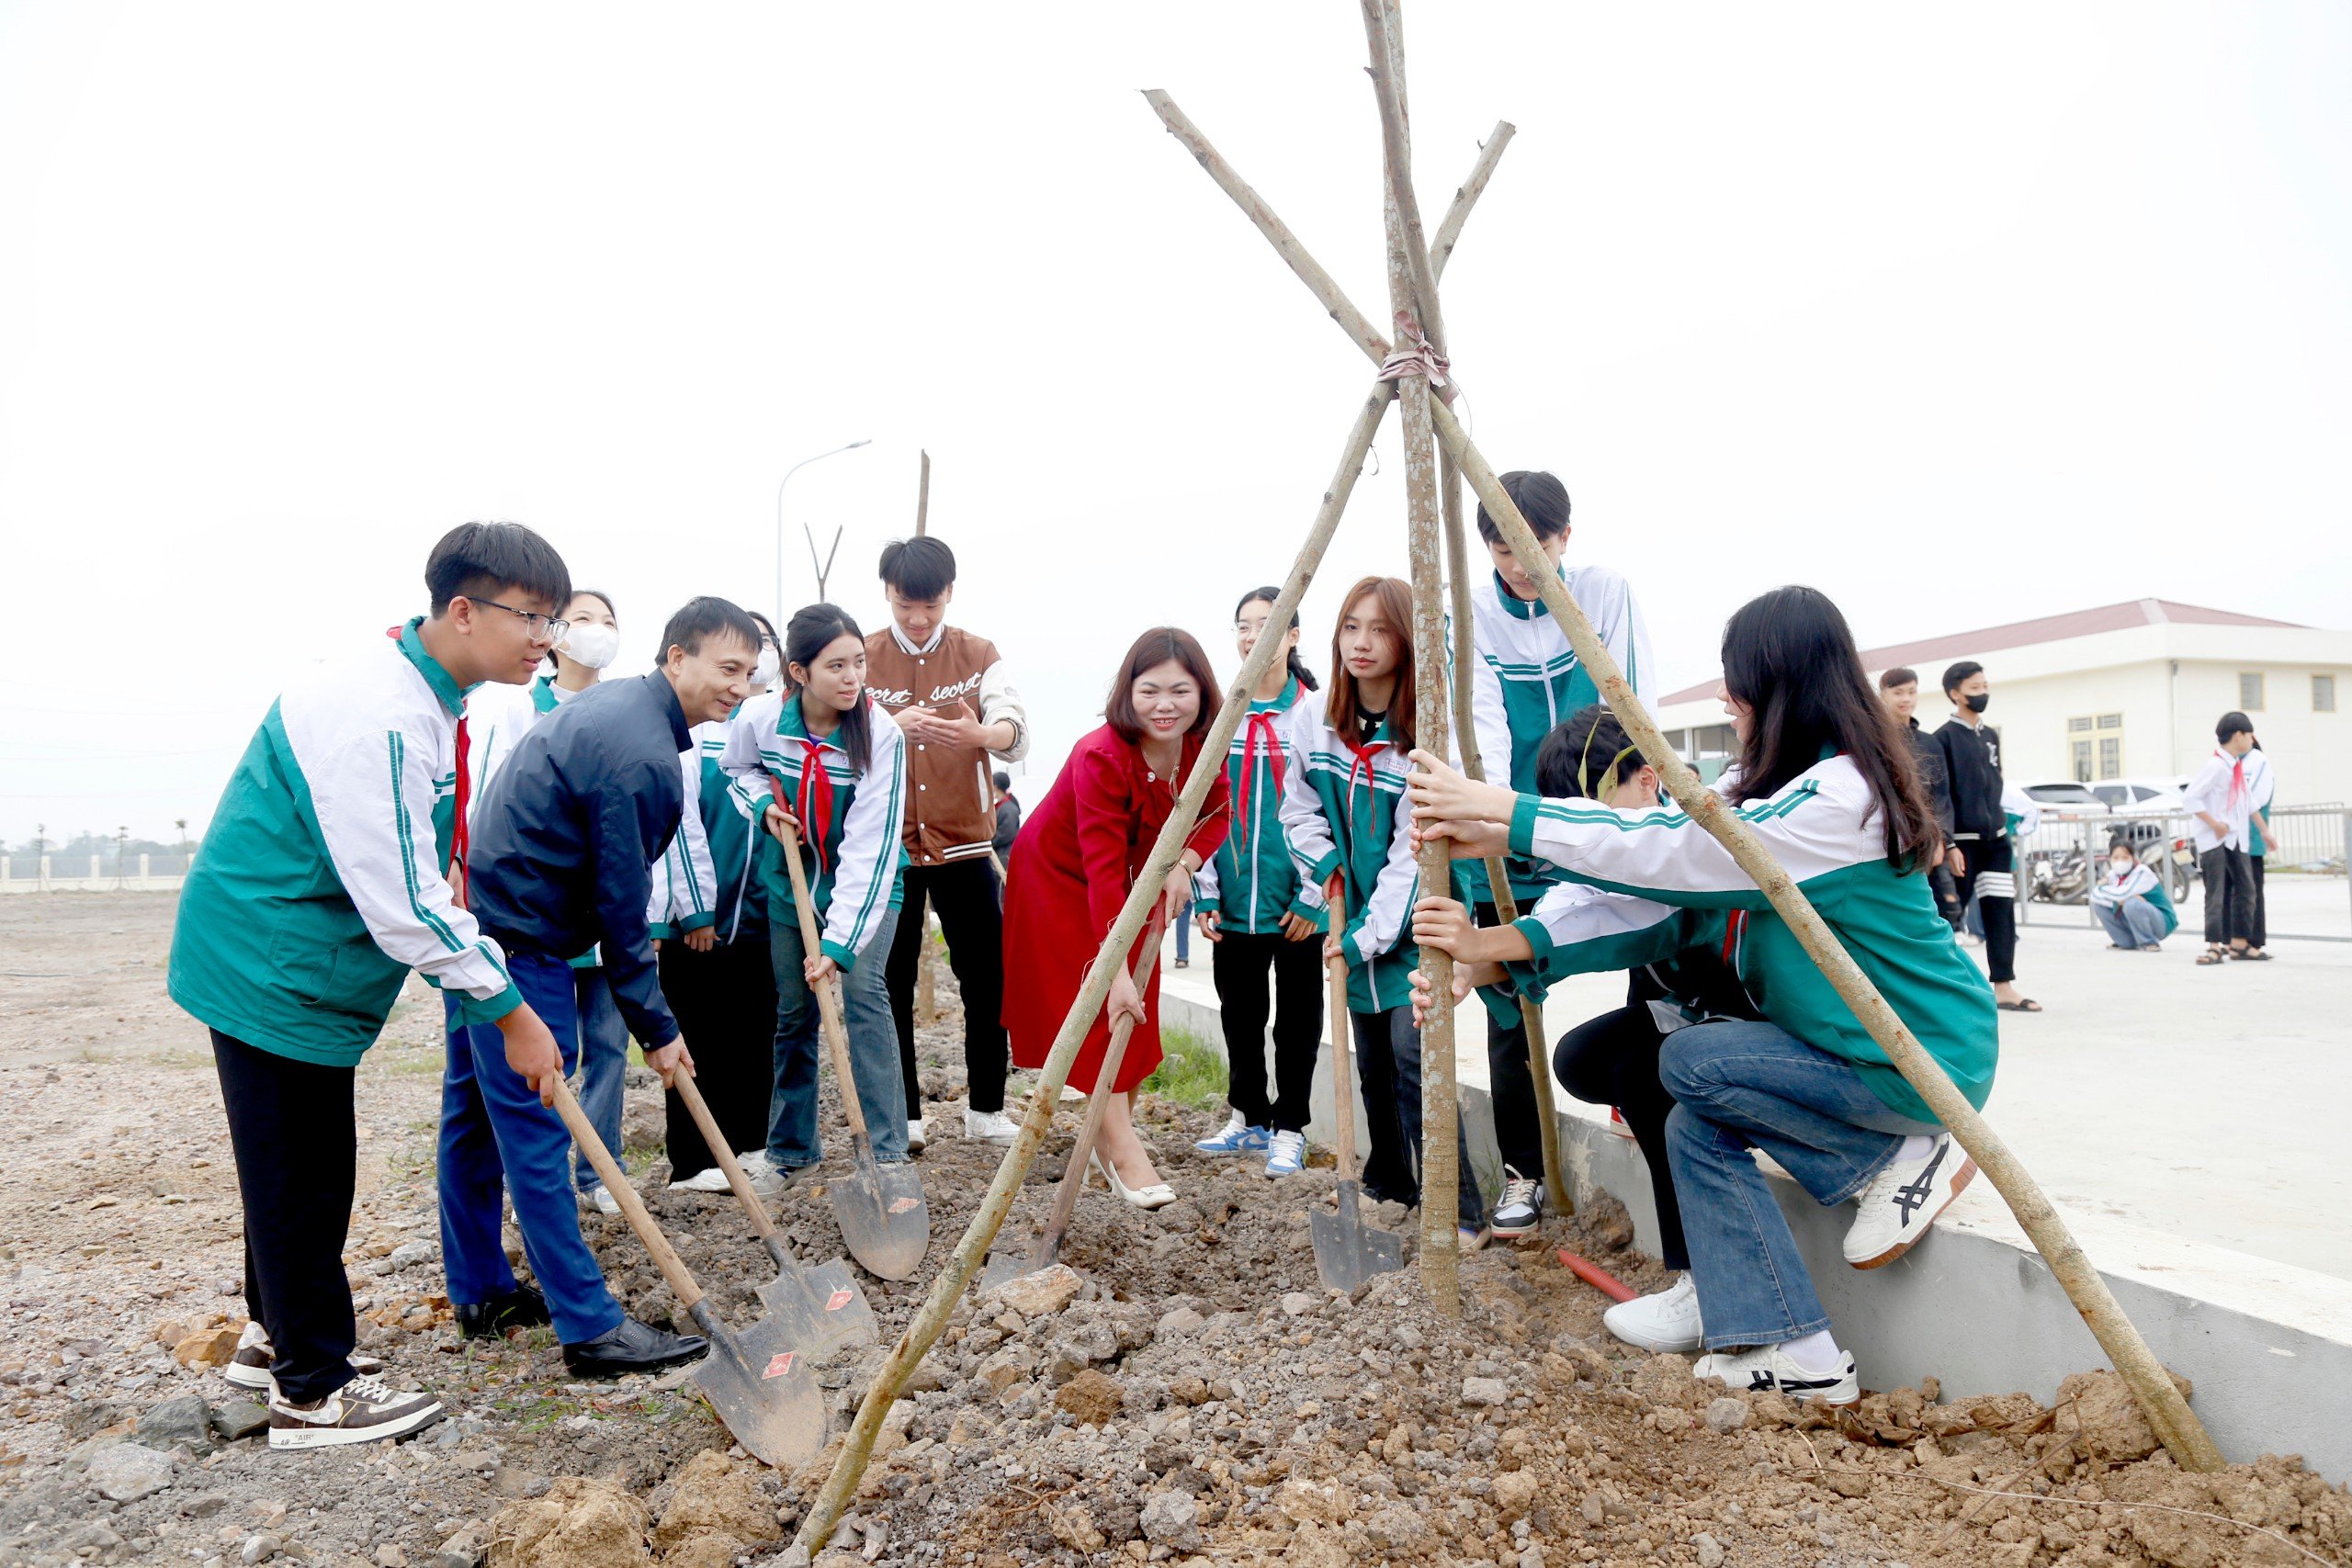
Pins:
x: 2250, y: 692
x: 2323, y: 693
x: 2082, y: 762
x: 2095, y: 746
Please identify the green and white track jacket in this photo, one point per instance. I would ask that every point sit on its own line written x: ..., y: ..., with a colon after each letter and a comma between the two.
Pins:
x: 1251, y: 882
x: 1823, y: 828
x: 319, y: 885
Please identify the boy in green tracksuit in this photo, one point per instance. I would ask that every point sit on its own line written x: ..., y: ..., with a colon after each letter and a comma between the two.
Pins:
x: 320, y: 884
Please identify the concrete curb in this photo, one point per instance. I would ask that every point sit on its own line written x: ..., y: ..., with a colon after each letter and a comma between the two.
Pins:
x: 2268, y: 1345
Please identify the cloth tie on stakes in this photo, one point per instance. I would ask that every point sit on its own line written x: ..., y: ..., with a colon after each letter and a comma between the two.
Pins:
x: 1416, y: 355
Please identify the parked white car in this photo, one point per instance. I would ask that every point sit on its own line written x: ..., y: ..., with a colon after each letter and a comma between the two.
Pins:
x: 2161, y: 795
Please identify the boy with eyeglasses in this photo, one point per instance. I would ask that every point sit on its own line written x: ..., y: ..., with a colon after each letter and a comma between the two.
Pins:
x: 320, y: 885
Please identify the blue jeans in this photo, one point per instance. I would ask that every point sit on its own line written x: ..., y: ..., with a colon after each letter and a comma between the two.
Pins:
x: 604, y: 1064
x: 1740, y: 1085
x: 793, y: 1142
x: 2134, y: 923
x: 496, y: 1138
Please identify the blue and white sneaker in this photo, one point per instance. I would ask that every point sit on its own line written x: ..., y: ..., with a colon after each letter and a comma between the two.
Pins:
x: 1238, y: 1138
x: 1285, y: 1153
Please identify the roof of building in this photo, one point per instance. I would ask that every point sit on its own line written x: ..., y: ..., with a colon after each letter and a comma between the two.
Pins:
x: 2019, y: 634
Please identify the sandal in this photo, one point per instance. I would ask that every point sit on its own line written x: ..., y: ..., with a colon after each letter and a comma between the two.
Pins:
x: 2211, y: 956
x: 2252, y: 956
x: 2023, y: 1004
x: 2153, y: 947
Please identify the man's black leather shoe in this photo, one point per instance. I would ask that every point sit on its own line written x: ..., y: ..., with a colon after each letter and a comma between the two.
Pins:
x: 633, y: 1347
x: 522, y: 1307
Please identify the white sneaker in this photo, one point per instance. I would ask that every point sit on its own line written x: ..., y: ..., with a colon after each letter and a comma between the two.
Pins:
x: 712, y: 1179
x: 1667, y: 1320
x: 362, y: 1411
x: 766, y: 1182
x: 990, y: 1126
x: 1903, y: 1201
x: 918, y: 1135
x: 1768, y: 1368
x: 1285, y: 1155
x: 249, y: 1367
x: 600, y: 1198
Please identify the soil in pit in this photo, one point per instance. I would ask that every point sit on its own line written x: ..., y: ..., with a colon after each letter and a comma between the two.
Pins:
x: 1183, y: 1391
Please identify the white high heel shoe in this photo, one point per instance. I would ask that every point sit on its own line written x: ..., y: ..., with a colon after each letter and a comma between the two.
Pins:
x: 1159, y: 1195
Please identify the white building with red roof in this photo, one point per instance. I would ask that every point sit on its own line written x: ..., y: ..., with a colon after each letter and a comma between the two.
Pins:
x: 2122, y: 691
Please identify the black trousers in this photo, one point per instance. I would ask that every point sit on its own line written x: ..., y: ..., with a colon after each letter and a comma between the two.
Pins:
x: 1612, y: 1060
x: 2229, y: 895
x: 1519, y: 1127
x: 1948, y: 900
x: 294, y: 1132
x: 1390, y: 1168
x: 1991, y: 880
x: 971, y: 914
x: 724, y: 1003
x: 1239, y: 961
x: 2258, y: 933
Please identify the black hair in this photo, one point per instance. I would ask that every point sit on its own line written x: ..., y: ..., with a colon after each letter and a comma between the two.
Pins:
x: 1789, y: 656
x: 479, y: 560
x: 1541, y: 498
x: 706, y: 617
x: 1297, y: 666
x: 1001, y: 779
x: 549, y: 663
x: 2232, y: 723
x: 1961, y: 671
x: 1901, y: 675
x: 809, y: 634
x: 2122, y: 842
x: 919, y: 568
x: 1583, y: 752
x: 767, y: 630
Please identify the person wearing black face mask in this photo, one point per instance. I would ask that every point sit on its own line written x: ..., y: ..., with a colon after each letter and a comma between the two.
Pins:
x: 1981, y: 854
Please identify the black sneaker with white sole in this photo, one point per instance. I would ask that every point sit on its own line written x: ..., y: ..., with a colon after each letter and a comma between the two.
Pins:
x: 362, y: 1411
x: 249, y: 1367
x: 1521, y: 1208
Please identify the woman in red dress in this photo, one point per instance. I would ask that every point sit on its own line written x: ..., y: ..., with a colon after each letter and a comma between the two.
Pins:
x: 1078, y: 855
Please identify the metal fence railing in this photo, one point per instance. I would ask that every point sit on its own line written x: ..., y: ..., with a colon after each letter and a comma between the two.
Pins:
x: 2308, y: 893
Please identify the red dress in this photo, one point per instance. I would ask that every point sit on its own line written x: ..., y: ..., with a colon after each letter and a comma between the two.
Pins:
x: 1072, y: 867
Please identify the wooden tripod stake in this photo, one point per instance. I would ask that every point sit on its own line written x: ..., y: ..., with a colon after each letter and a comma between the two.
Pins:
x: 2183, y: 1435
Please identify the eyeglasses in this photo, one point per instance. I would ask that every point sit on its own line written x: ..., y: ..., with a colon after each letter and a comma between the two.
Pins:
x: 543, y: 628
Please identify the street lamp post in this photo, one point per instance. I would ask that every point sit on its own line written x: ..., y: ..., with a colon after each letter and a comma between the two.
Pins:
x: 777, y: 607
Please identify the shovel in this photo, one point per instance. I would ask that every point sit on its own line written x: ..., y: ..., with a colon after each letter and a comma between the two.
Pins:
x: 1346, y: 1251
x: 1007, y: 1265
x: 823, y: 1303
x: 884, y: 1220
x: 761, y: 1381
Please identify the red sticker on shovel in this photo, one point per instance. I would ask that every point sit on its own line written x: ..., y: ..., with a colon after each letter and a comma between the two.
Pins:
x: 839, y: 1300
x: 903, y: 1205
x: 779, y: 1364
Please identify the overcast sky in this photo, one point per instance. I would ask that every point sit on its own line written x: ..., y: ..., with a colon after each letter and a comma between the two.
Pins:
x: 1963, y: 314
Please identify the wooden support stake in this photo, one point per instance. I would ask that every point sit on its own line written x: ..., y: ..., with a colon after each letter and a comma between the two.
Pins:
x: 2183, y: 1435
x: 924, y: 1329
x: 926, y: 959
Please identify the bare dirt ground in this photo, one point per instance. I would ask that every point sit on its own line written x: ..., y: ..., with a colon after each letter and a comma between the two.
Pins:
x: 1186, y: 1393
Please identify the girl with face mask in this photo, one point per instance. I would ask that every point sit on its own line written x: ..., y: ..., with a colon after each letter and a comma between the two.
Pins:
x: 2132, y: 904
x: 497, y: 719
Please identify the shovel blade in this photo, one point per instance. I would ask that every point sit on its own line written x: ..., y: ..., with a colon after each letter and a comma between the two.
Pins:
x: 1346, y: 1251
x: 1008, y: 1260
x: 837, y: 1309
x: 763, y: 1385
x: 885, y: 1223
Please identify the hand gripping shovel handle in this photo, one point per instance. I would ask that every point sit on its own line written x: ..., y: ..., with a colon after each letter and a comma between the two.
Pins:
x: 1113, y: 1053
x: 616, y: 1180
x: 696, y: 1107
x: 1343, y: 1092
x: 828, y: 1002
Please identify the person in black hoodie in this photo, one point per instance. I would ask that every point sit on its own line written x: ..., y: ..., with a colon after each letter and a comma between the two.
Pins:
x: 562, y: 849
x: 1980, y: 853
x: 1899, y: 689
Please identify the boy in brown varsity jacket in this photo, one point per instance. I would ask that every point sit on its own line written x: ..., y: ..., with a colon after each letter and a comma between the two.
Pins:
x: 951, y: 695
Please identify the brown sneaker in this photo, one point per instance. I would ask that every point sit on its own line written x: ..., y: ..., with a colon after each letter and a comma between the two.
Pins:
x: 249, y: 1367
x: 362, y: 1411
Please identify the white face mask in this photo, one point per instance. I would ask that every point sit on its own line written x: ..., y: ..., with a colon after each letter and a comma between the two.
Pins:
x: 2121, y: 866
x: 764, y: 673
x: 592, y: 644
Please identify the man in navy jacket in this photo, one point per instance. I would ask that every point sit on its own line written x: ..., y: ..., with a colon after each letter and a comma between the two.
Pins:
x: 563, y: 844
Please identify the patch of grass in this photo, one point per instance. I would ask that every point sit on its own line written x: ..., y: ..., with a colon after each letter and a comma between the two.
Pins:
x: 1191, y: 1072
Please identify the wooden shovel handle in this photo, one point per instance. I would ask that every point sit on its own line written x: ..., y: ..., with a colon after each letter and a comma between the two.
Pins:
x: 1114, y: 1054
x: 616, y: 1180
x: 828, y: 1002
x: 1343, y: 1092
x: 760, y: 1224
